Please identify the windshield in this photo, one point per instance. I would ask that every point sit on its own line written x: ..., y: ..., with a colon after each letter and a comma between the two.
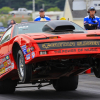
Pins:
x: 32, y: 27
x: 36, y: 27
x: 77, y: 27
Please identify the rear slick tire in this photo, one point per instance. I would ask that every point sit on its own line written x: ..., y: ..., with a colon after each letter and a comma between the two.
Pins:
x: 7, y: 86
x: 66, y: 83
x: 24, y: 70
x: 96, y: 69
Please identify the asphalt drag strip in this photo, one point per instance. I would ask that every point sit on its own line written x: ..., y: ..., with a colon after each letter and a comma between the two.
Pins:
x: 88, y: 89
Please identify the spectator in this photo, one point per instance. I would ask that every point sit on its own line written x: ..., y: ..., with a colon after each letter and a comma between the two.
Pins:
x: 42, y: 16
x: 91, y: 22
x: 12, y: 23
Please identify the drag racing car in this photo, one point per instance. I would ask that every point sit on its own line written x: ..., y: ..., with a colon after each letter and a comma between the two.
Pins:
x: 53, y: 52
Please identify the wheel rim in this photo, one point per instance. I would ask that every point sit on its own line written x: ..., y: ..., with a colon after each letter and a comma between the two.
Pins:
x: 21, y: 66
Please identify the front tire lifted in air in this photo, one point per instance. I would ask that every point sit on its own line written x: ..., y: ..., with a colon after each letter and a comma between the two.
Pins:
x: 24, y: 70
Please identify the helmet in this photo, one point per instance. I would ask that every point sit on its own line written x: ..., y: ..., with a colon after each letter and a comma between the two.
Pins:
x: 63, y: 18
x: 91, y: 8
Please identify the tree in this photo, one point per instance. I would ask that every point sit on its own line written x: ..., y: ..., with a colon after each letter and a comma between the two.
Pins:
x: 28, y: 4
x: 5, y: 10
x: 54, y: 9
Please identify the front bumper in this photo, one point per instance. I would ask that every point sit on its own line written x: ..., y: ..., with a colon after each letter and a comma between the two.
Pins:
x: 70, y: 53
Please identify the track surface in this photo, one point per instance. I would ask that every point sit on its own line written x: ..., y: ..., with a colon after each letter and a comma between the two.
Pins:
x: 88, y: 89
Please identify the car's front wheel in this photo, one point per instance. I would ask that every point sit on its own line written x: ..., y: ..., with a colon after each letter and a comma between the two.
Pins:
x: 24, y: 70
x: 66, y: 83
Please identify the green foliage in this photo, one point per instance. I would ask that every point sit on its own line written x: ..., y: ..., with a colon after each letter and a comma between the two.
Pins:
x: 5, y: 10
x: 28, y: 4
x: 54, y: 9
x: 5, y: 17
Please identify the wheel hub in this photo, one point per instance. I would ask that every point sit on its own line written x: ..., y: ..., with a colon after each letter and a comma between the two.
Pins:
x: 21, y: 66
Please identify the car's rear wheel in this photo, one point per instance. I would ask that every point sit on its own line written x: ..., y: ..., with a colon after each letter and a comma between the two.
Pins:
x: 7, y: 86
x: 96, y: 69
x: 66, y: 83
x: 24, y: 70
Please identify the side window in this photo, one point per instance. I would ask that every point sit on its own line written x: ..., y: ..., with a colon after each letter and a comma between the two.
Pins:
x: 95, y: 4
x: 24, y: 9
x: 6, y: 36
x: 14, y: 31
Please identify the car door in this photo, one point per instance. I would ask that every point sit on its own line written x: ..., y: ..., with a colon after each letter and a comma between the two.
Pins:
x: 4, y: 43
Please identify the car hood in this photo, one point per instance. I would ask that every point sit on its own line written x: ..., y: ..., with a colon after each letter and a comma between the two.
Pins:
x: 43, y: 37
x: 35, y: 36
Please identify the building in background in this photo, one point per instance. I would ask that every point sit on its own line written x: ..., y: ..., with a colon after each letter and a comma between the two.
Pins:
x: 76, y: 10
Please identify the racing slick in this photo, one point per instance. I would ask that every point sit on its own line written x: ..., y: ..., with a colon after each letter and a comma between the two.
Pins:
x: 42, y: 16
x: 91, y: 22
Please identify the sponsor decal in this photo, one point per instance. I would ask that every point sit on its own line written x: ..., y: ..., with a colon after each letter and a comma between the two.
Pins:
x: 12, y: 65
x: 69, y: 44
x: 1, y: 65
x: 65, y: 51
x: 5, y: 64
x: 24, y: 46
x: 23, y: 27
x: 28, y: 50
x: 76, y: 50
x: 2, y: 71
x: 7, y: 57
x: 8, y: 62
x: 33, y: 54
x: 4, y: 59
x: 7, y: 68
x: 24, y: 49
x: 32, y: 48
x: 28, y: 57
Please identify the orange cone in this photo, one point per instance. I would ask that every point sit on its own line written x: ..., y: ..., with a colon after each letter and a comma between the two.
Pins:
x: 14, y: 15
x: 88, y: 71
x: 22, y: 16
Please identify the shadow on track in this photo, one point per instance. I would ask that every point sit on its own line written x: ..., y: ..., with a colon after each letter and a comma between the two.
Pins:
x: 52, y: 95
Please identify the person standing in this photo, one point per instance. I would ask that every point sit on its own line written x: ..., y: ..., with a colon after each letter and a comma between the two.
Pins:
x: 91, y: 22
x: 42, y: 16
x: 12, y: 22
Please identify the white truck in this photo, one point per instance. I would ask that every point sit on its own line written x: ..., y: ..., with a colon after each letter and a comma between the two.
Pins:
x: 21, y: 11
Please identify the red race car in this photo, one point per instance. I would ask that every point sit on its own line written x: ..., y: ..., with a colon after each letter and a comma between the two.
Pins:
x: 54, y: 52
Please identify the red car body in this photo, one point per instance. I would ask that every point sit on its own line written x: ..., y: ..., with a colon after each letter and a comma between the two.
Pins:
x: 38, y: 47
